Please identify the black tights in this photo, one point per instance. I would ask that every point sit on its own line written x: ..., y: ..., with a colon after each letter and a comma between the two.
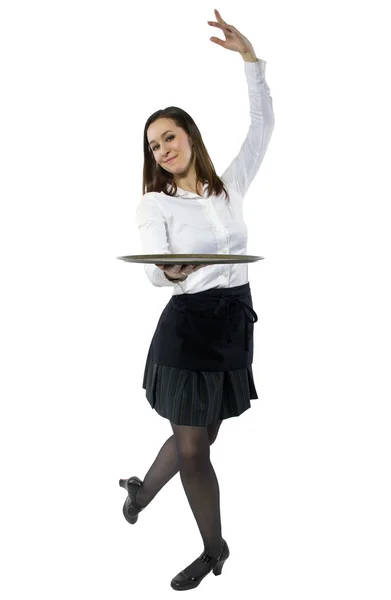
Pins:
x: 188, y: 451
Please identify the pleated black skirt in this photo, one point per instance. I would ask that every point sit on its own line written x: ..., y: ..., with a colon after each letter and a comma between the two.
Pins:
x: 198, y: 398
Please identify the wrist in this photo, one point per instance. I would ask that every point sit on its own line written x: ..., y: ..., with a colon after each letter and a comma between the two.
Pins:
x: 249, y: 56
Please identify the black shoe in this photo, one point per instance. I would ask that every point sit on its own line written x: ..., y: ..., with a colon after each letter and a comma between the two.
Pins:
x: 131, y: 507
x: 182, y: 582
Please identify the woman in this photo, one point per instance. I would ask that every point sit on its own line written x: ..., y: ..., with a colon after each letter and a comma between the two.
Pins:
x: 198, y: 371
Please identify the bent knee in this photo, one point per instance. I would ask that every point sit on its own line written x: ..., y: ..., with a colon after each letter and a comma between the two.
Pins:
x: 192, y: 458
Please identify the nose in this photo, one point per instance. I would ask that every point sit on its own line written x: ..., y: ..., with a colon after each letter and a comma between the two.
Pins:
x: 163, y: 151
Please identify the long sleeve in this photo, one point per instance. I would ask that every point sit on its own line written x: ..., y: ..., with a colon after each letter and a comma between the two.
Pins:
x: 245, y: 165
x: 152, y: 228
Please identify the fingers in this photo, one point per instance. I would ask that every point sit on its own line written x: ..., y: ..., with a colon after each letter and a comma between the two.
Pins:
x: 220, y: 25
x: 176, y: 268
x: 190, y: 268
x: 218, y: 41
x: 218, y: 15
x: 196, y: 267
x: 226, y: 29
x: 185, y: 269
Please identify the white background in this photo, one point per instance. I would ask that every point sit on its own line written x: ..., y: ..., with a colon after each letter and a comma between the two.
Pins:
x: 304, y: 474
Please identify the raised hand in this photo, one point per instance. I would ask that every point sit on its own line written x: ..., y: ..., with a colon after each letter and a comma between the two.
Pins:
x: 234, y: 40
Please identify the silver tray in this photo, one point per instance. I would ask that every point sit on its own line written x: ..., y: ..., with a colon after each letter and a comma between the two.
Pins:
x: 190, y: 259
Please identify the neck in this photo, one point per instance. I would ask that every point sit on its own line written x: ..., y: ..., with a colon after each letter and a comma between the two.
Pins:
x: 188, y: 183
x: 192, y: 188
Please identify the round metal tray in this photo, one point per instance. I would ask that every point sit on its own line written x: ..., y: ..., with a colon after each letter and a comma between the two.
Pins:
x: 190, y: 259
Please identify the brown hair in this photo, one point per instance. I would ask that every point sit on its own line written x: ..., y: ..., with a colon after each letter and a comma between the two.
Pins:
x: 156, y: 179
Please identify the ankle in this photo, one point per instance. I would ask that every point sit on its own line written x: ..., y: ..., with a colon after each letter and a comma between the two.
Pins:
x: 140, y: 497
x: 214, y: 550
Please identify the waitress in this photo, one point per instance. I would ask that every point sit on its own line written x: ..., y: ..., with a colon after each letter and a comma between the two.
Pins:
x: 199, y: 366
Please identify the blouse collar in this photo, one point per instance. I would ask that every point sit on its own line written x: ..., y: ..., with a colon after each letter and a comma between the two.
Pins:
x: 186, y: 193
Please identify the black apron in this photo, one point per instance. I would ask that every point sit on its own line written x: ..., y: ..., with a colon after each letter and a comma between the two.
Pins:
x: 206, y: 331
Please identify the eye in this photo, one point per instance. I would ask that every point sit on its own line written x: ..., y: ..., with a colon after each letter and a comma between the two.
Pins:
x: 170, y: 137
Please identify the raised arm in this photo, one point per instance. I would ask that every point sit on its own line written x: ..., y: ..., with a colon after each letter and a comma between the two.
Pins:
x: 245, y: 165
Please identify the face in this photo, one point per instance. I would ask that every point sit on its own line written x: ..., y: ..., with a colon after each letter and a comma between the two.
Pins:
x: 167, y: 141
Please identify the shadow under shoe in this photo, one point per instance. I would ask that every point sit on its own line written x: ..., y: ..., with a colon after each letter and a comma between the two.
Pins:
x: 131, y: 508
x: 183, y: 582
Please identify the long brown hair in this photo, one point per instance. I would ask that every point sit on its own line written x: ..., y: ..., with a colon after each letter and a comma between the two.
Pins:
x: 156, y: 179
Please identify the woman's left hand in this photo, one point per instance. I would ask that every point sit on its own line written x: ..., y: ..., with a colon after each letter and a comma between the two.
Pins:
x: 185, y: 269
x: 234, y: 40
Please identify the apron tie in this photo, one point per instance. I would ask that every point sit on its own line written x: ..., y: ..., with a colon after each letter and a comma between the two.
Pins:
x: 249, y: 315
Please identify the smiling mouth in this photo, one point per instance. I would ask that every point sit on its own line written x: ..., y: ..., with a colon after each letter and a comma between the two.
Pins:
x: 170, y: 161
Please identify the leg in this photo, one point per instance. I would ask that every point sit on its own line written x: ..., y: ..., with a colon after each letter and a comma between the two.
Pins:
x: 166, y: 466
x: 200, y: 482
x: 201, y: 487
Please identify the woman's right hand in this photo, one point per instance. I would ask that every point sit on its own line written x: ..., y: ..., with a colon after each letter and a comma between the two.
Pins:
x: 179, y: 272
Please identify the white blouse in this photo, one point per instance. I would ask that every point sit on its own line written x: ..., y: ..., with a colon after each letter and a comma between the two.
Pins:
x: 191, y: 224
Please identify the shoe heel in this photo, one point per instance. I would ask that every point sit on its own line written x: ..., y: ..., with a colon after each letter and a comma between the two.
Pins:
x: 218, y: 568
x: 130, y: 502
